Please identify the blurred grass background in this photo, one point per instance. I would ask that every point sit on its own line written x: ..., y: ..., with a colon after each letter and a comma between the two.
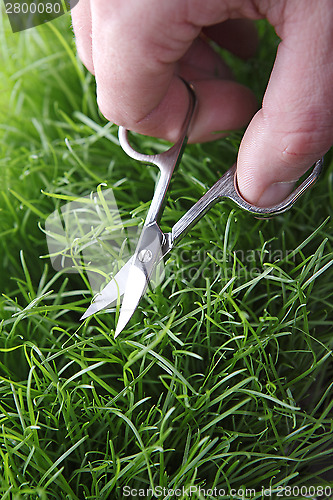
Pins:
x: 223, y: 378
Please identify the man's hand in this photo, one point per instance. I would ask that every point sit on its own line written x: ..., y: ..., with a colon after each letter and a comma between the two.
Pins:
x: 137, y: 51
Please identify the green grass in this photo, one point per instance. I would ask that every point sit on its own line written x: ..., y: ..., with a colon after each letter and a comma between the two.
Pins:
x: 223, y: 377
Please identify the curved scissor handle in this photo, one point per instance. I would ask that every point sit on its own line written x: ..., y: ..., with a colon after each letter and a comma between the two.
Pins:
x: 167, y: 160
x: 284, y: 205
x: 226, y: 187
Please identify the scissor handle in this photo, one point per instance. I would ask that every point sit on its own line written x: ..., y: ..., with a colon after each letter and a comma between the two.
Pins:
x: 226, y: 187
x: 284, y: 205
x: 166, y: 161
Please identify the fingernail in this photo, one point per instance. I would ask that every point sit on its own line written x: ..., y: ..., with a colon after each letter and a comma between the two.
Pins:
x: 275, y: 193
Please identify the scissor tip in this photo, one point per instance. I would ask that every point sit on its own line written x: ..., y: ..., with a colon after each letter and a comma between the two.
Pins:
x: 122, y: 322
x: 92, y: 309
x: 89, y: 312
x: 118, y: 330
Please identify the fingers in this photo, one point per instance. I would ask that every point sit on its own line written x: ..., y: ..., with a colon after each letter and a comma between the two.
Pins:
x: 135, y: 72
x: 222, y: 106
x: 294, y: 128
x: 138, y: 50
x: 202, y: 62
x: 239, y: 36
x: 81, y: 18
x: 137, y: 56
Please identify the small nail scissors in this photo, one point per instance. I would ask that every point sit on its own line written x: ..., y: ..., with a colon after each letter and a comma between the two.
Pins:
x: 132, y: 280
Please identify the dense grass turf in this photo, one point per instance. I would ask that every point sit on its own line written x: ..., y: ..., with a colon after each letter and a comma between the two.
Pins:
x: 223, y: 377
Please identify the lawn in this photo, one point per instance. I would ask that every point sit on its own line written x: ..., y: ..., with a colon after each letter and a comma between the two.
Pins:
x: 223, y: 377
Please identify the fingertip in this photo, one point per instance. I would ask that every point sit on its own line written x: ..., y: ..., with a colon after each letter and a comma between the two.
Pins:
x: 263, y: 176
x: 272, y: 157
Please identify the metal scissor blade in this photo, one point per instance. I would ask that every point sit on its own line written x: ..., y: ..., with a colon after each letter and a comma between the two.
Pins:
x: 114, y: 289
x: 132, y: 296
x: 148, y: 253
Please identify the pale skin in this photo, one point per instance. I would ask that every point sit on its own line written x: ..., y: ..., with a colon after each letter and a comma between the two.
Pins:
x: 138, y: 49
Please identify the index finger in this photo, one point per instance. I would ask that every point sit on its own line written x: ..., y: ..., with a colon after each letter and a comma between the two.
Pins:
x: 136, y: 54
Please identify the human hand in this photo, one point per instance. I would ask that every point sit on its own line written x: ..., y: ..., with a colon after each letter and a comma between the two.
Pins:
x: 138, y: 49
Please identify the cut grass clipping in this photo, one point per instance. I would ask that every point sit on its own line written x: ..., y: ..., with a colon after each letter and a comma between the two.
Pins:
x: 223, y: 377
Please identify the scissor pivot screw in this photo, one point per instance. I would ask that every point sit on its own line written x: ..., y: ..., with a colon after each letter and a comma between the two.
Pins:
x: 145, y: 255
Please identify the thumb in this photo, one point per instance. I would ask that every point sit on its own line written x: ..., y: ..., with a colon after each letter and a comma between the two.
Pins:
x: 294, y: 128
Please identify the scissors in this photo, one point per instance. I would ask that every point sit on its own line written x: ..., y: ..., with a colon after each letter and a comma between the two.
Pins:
x: 133, y: 278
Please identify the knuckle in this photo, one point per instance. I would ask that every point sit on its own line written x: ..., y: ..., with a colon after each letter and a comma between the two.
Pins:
x: 305, y: 138
x: 305, y: 146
